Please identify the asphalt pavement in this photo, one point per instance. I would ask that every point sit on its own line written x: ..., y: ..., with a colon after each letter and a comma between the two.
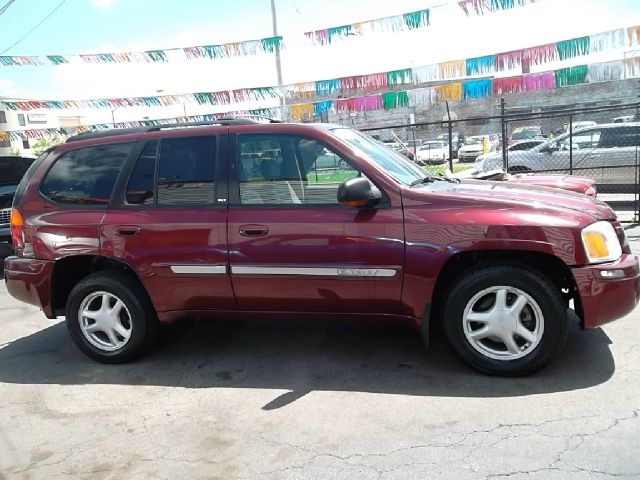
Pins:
x: 312, y: 400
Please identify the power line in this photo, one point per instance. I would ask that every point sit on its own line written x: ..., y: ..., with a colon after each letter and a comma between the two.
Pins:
x: 33, y: 29
x: 5, y: 6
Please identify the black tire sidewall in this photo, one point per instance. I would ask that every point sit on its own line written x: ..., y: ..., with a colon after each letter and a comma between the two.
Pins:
x: 125, y: 290
x: 538, y: 287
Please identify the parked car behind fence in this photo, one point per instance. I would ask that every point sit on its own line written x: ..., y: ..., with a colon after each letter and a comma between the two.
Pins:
x: 608, y: 153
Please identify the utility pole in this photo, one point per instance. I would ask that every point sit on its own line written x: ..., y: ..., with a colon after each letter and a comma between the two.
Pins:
x: 274, y: 19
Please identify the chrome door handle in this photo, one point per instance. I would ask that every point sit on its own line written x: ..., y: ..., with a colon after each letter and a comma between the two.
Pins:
x: 126, y: 230
x: 254, y: 230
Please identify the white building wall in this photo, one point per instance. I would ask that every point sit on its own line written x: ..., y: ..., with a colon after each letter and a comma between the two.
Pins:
x: 12, y: 120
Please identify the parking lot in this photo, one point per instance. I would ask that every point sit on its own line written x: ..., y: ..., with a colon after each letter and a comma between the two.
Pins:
x: 290, y: 400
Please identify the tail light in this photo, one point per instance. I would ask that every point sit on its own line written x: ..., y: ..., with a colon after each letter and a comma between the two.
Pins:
x: 17, y: 229
x: 591, y: 191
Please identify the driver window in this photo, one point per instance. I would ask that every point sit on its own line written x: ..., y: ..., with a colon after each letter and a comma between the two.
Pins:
x: 581, y: 140
x: 287, y: 169
x: 329, y: 168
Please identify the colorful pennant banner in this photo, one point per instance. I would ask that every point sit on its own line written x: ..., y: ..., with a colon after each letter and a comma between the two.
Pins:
x: 501, y: 86
x: 210, y: 52
x: 396, y: 23
x: 474, y: 89
x: 482, y: 7
x: 18, y: 135
x: 367, y: 84
x: 202, y: 98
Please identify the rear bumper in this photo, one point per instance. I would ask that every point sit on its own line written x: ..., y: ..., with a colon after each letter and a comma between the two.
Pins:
x: 605, y: 299
x: 29, y: 280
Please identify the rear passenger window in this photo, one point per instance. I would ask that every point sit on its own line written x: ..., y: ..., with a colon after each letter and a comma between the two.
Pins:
x: 140, y: 186
x: 85, y: 176
x: 175, y: 172
x: 620, y: 137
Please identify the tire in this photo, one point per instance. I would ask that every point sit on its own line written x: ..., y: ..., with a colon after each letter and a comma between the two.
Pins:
x: 519, y: 169
x: 136, y: 322
x: 475, y: 325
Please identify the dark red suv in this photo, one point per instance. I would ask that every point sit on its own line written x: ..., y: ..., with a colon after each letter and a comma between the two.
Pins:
x: 124, y: 230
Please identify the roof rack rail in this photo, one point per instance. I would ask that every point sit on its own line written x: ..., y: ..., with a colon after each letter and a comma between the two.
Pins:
x: 154, y: 128
x: 264, y: 118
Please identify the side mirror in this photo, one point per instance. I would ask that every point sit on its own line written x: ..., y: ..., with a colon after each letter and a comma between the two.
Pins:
x: 358, y: 192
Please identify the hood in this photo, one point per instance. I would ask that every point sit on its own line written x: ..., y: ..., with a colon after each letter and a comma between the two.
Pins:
x: 556, y: 181
x: 535, y: 201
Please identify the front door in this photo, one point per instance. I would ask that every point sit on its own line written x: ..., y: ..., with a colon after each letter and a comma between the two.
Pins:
x: 167, y: 222
x: 292, y: 247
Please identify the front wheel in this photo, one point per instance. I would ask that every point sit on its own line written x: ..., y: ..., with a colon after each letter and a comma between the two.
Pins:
x: 110, y: 317
x: 518, y: 169
x: 505, y: 320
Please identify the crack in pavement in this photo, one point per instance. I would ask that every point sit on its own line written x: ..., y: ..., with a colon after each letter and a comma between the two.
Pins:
x: 555, y: 465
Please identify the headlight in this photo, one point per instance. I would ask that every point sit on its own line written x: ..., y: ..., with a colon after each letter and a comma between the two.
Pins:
x: 601, y: 243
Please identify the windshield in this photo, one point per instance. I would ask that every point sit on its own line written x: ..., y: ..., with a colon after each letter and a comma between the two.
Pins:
x: 401, y: 169
x: 555, y: 143
x: 432, y: 145
x: 474, y: 140
x: 524, y: 134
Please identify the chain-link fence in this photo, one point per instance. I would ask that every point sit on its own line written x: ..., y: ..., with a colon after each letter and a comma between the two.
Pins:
x: 600, y: 143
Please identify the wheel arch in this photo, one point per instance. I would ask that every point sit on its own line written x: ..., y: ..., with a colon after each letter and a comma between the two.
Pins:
x: 68, y: 271
x: 550, y: 266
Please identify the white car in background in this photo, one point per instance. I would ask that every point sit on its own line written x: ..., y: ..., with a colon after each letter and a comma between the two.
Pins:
x: 515, y: 147
x: 474, y: 147
x: 432, y: 151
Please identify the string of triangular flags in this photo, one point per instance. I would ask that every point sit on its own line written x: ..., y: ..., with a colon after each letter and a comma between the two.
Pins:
x: 392, y: 24
x: 489, y: 65
x: 226, y: 97
x: 18, y: 135
x: 407, y: 21
x: 473, y: 89
x: 210, y: 52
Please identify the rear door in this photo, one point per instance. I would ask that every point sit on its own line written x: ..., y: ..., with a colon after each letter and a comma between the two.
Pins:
x: 293, y: 247
x: 168, y: 221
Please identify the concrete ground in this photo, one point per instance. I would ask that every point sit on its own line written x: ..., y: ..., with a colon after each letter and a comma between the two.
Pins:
x: 295, y: 400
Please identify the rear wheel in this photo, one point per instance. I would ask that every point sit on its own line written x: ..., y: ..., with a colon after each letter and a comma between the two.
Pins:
x: 110, y: 317
x: 505, y: 320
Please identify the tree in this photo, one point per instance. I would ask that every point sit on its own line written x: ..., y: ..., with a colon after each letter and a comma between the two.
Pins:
x: 44, y: 143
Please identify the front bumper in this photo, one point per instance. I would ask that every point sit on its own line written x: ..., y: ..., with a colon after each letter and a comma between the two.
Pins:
x: 468, y: 156
x: 29, y: 280
x: 605, y: 299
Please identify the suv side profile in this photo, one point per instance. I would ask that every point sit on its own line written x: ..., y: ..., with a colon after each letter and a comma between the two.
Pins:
x: 124, y: 230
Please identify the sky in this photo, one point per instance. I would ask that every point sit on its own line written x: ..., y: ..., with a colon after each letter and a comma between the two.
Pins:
x: 100, y: 26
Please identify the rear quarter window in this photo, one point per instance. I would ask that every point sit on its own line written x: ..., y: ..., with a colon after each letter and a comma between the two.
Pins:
x: 85, y: 176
